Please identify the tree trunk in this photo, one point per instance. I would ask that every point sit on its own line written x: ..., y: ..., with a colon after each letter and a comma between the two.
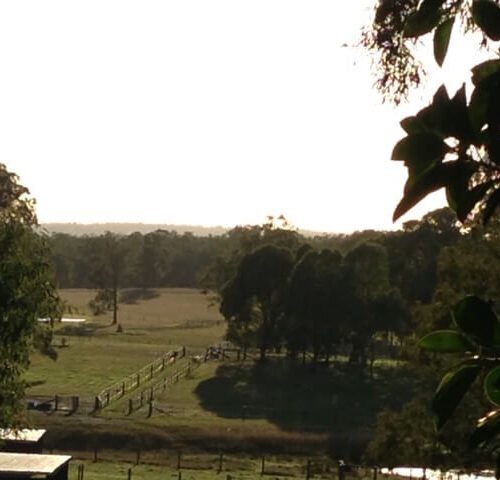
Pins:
x: 314, y: 365
x: 262, y: 349
x: 115, y: 305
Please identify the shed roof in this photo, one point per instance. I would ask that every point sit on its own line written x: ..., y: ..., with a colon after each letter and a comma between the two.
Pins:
x: 28, y: 435
x: 30, y: 463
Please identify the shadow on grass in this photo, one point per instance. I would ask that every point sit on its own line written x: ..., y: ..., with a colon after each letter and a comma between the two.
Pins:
x: 35, y: 383
x: 334, y: 400
x: 86, y: 329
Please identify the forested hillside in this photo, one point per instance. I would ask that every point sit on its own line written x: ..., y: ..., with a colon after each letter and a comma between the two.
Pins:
x: 166, y: 258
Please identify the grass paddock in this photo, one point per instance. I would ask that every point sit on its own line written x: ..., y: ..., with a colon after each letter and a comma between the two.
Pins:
x: 280, y: 407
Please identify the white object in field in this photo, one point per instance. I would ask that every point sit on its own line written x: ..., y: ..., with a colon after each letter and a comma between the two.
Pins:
x: 30, y: 463
x: 22, y: 435
x: 64, y: 320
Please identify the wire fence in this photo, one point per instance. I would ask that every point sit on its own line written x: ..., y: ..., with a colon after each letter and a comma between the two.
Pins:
x: 133, y: 381
x: 187, y: 466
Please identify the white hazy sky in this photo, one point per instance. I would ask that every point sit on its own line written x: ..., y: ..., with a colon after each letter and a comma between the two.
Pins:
x: 213, y: 112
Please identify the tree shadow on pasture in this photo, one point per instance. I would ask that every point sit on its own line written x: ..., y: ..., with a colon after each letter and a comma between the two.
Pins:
x: 336, y: 399
x: 87, y: 329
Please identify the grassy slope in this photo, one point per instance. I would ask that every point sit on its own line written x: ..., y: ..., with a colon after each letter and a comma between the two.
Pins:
x: 289, y: 408
x: 96, y: 355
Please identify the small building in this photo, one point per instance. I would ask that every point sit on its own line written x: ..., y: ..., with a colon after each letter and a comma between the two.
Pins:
x: 24, y: 466
x: 25, y: 440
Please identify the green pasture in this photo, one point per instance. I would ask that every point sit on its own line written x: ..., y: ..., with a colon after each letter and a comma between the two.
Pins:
x: 209, y: 467
x: 93, y: 355
x: 226, y: 406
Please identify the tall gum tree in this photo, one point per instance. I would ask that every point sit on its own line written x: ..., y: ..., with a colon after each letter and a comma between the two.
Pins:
x: 27, y: 293
x: 261, y: 281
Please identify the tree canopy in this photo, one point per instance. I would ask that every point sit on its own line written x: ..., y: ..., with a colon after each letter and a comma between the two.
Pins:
x: 27, y: 292
x: 452, y: 144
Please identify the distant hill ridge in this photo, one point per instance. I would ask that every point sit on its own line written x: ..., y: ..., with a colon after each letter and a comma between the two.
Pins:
x: 80, y: 229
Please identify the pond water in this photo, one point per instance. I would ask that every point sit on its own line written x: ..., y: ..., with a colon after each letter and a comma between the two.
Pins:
x: 438, y: 474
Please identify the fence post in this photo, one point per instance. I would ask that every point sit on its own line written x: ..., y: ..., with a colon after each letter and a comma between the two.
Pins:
x: 138, y: 457
x: 56, y: 402
x: 97, y: 403
x: 129, y: 474
x: 150, y: 411
x: 138, y: 379
x: 308, y: 470
x: 263, y: 466
x: 179, y: 476
x: 123, y: 389
x: 142, y: 397
x: 107, y: 398
x: 375, y: 473
x: 151, y: 371
x: 162, y: 363
x: 95, y: 454
x: 179, y: 456
x: 130, y: 406
x: 221, y: 459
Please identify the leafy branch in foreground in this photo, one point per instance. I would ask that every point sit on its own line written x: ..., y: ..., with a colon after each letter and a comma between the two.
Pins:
x: 477, y: 336
x: 452, y: 144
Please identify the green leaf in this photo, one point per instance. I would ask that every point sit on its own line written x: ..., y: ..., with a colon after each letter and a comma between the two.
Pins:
x: 412, y: 125
x: 460, y: 125
x: 492, y: 386
x: 445, y: 341
x: 484, y: 70
x: 451, y: 390
x: 476, y: 318
x: 491, y: 205
x: 478, y: 108
x: 483, y: 105
x: 437, y: 116
x: 417, y: 189
x: 442, y: 40
x: 486, y: 15
x: 421, y: 146
x: 424, y: 19
x: 461, y: 199
x: 487, y: 428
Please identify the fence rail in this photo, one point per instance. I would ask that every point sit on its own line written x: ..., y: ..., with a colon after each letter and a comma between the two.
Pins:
x: 133, y: 381
x: 147, y: 395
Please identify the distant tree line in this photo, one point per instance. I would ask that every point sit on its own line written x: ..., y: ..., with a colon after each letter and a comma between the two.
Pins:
x: 276, y: 287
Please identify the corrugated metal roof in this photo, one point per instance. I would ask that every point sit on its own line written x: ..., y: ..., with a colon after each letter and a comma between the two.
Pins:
x: 30, y: 463
x: 23, y: 435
